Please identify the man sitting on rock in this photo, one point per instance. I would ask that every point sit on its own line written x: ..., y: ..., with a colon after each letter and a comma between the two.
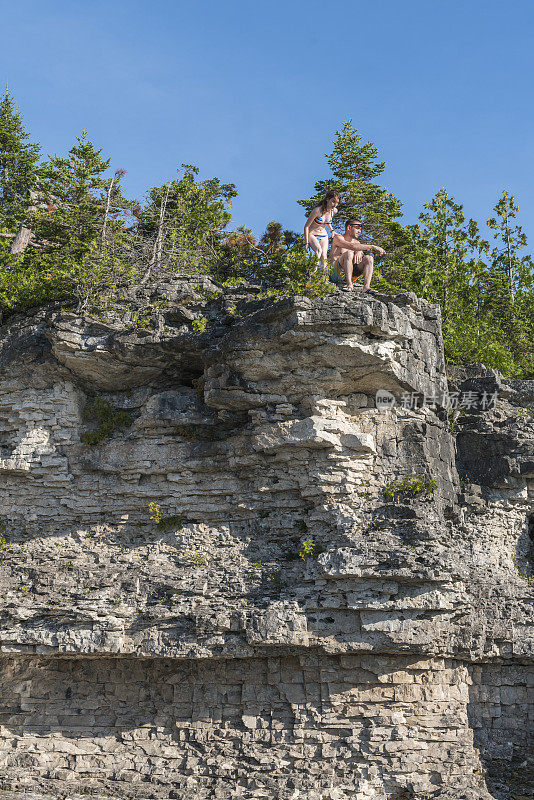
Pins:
x: 347, y: 255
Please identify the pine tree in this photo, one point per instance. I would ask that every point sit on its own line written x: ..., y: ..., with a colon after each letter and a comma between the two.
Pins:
x: 478, y: 249
x: 511, y: 239
x: 197, y: 209
x: 354, y: 166
x: 446, y: 237
x: 443, y: 261
x: 18, y: 166
x: 185, y: 219
x: 73, y: 220
x: 510, y: 296
x: 115, y: 206
x: 476, y: 292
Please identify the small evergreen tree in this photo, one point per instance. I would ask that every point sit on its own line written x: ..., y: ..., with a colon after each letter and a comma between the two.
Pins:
x: 241, y: 256
x: 237, y: 255
x: 446, y: 238
x: 184, y: 220
x: 18, y: 166
x: 274, y: 247
x: 115, y: 207
x: 354, y: 166
x: 72, y: 223
x: 510, y: 295
x: 195, y: 210
x: 506, y: 260
x: 478, y: 265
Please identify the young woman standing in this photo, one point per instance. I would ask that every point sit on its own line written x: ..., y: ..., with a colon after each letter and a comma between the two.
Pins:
x: 315, y: 229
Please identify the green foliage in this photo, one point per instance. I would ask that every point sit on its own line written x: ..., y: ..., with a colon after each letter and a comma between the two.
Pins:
x: 109, y: 420
x: 354, y: 165
x: 453, y: 420
x: 230, y: 282
x: 432, y: 261
x: 198, y: 558
x: 200, y: 325
x: 522, y: 570
x: 141, y: 321
x: 525, y: 413
x: 186, y: 218
x: 241, y: 257
x: 27, y: 281
x: 299, y: 274
x: 18, y: 166
x: 154, y: 510
x: 310, y: 549
x: 237, y: 257
x: 173, y: 522
x: 91, y: 244
x: 208, y: 294
x: 275, y: 578
x: 71, y: 254
x: 160, y: 595
x: 510, y: 239
x: 445, y: 260
x: 510, y: 282
x: 275, y: 249
x: 410, y: 486
x: 72, y: 224
x: 373, y: 526
x: 443, y: 235
x: 3, y: 540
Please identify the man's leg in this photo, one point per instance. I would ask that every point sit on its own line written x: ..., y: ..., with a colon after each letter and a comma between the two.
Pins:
x: 367, y: 266
x: 346, y: 260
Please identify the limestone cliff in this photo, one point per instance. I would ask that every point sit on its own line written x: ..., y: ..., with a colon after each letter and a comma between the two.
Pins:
x: 228, y: 574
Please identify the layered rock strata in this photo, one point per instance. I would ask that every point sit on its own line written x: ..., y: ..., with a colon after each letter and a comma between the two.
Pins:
x: 214, y: 581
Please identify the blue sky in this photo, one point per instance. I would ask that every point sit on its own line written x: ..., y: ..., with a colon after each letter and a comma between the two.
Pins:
x: 253, y: 93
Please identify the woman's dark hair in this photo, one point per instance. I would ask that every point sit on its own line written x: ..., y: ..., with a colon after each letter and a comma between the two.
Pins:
x: 329, y: 196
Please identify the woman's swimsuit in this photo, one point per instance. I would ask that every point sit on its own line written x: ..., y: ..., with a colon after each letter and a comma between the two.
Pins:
x: 321, y: 221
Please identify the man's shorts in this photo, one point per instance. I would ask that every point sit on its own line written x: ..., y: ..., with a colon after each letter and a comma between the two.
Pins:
x: 337, y: 270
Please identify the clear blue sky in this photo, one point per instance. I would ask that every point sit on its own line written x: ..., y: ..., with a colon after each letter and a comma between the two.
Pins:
x: 254, y: 92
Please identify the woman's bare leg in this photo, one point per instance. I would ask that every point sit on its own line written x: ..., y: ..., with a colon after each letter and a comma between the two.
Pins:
x: 315, y: 246
x: 324, y: 254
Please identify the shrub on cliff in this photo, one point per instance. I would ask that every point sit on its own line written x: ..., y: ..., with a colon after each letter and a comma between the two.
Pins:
x: 241, y: 255
x: 26, y: 282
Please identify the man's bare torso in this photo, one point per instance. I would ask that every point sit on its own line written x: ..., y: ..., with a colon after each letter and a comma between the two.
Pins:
x: 336, y: 251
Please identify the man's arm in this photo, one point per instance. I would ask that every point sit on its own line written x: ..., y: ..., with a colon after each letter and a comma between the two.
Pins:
x: 357, y: 247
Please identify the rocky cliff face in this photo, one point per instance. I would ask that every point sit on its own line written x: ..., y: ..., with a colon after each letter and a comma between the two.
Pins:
x: 225, y: 572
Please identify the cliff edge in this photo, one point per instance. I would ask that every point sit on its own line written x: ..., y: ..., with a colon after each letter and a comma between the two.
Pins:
x: 231, y: 569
